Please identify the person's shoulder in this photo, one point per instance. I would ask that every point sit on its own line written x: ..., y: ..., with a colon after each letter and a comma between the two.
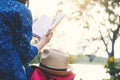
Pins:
x: 12, y: 6
x: 19, y: 6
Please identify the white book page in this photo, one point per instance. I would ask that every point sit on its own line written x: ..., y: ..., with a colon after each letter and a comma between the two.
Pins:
x: 44, y: 25
x: 56, y: 20
x: 41, y: 26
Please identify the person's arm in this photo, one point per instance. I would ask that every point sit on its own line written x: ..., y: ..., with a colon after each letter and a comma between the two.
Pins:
x: 23, y: 36
x: 43, y: 41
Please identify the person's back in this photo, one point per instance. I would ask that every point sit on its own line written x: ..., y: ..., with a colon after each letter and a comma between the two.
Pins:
x: 16, y: 51
x: 15, y: 33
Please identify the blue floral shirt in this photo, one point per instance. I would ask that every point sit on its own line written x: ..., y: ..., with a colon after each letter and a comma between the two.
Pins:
x: 15, y: 36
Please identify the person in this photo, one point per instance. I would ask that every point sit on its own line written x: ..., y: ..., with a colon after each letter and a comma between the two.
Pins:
x: 53, y: 65
x: 16, y: 52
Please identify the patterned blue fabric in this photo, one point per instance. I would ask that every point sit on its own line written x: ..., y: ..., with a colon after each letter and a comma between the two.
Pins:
x: 15, y: 36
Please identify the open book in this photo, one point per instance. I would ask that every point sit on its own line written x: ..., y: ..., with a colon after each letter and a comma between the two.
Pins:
x: 45, y: 25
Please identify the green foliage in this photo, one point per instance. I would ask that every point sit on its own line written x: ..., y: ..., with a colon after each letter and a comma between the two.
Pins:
x: 113, y: 68
x: 72, y: 59
x: 85, y: 59
x: 81, y: 79
x: 36, y: 59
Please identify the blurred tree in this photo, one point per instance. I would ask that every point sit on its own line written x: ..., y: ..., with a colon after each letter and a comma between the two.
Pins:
x: 72, y: 58
x: 99, y: 16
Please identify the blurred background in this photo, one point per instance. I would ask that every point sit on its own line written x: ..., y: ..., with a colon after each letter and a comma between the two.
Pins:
x: 89, y: 32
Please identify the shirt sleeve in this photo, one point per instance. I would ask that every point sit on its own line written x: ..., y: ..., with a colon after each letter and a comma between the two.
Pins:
x: 23, y: 35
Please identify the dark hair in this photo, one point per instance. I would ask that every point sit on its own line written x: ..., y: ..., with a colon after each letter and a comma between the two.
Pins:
x: 24, y: 2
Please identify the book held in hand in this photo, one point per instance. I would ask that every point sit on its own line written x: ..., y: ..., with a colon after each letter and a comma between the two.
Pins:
x: 45, y: 25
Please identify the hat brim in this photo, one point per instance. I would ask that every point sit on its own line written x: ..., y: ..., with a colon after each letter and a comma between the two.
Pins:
x: 54, y: 72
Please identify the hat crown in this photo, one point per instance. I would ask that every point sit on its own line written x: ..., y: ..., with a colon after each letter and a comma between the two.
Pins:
x: 54, y: 59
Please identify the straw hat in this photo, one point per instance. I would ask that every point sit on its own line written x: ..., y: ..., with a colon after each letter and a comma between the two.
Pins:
x: 55, y: 62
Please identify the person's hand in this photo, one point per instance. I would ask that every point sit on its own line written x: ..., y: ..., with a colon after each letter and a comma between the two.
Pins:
x: 44, y: 40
